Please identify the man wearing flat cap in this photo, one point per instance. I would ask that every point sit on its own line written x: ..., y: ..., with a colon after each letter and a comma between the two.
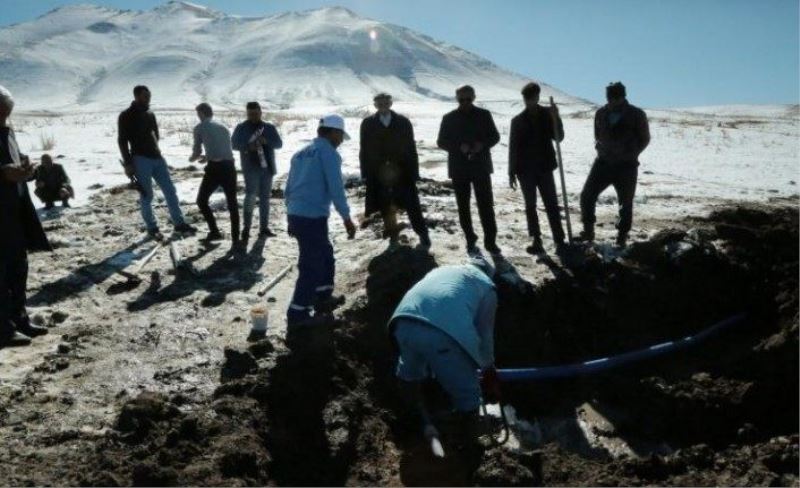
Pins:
x: 390, y: 167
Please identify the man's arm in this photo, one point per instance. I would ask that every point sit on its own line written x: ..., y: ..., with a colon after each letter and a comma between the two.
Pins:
x: 122, y: 139
x: 155, y: 127
x: 362, y: 150
x: 484, y: 323
x: 238, y: 140
x: 274, y: 140
x: 643, y: 129
x: 413, y: 157
x: 513, y: 146
x: 332, y: 170
x: 197, y: 148
x: 492, y: 135
x: 445, y: 140
x: 556, y: 126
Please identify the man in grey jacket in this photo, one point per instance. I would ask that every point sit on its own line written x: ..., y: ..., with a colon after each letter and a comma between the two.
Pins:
x: 215, y: 138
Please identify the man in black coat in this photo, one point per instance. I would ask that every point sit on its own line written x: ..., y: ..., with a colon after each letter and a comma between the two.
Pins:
x: 467, y: 134
x: 52, y: 183
x: 390, y: 167
x: 621, y: 133
x: 531, y: 161
x: 22, y: 232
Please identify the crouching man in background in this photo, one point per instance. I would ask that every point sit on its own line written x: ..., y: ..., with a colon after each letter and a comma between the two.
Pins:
x: 52, y: 183
x: 445, y: 326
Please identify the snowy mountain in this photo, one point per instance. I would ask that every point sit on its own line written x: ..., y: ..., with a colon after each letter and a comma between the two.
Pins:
x: 89, y: 57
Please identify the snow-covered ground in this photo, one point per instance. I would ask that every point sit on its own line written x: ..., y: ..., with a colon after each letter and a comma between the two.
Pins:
x: 694, y: 157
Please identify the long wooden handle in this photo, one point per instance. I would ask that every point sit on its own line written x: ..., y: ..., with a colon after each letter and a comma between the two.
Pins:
x: 561, y: 172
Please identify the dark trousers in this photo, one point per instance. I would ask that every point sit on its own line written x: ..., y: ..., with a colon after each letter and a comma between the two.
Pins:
x: 405, y: 197
x: 316, y: 265
x: 546, y: 185
x: 219, y: 173
x: 48, y: 195
x: 484, y: 198
x: 13, y: 282
x: 602, y: 175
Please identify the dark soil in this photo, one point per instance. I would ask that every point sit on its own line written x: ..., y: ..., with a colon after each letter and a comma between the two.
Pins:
x: 321, y: 408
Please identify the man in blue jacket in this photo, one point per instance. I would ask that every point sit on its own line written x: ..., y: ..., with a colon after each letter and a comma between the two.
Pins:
x: 445, y: 326
x: 256, y: 142
x: 315, y: 181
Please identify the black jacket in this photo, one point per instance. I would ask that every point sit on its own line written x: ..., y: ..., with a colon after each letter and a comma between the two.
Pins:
x: 458, y: 127
x: 388, y: 157
x: 54, y: 177
x: 19, y: 222
x: 138, y: 133
x: 621, y: 134
x: 530, y: 146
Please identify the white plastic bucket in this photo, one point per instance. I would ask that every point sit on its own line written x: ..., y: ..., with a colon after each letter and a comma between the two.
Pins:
x: 259, y: 318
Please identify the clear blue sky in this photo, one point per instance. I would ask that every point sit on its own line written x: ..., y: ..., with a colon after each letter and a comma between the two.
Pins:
x: 669, y: 53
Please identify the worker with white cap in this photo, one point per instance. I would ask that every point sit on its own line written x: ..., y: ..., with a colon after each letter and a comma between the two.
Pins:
x: 444, y: 326
x: 315, y: 181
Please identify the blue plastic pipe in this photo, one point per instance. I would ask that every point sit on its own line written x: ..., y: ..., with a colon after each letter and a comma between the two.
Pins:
x: 605, y: 364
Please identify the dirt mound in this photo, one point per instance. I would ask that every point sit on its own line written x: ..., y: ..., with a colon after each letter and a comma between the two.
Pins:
x: 322, y: 409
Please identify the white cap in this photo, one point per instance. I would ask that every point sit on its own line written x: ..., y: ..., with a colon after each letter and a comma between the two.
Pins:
x: 334, y: 121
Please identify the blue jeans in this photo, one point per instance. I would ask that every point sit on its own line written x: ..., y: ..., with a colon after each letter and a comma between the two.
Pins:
x: 147, y: 170
x: 316, y: 266
x: 257, y: 184
x: 425, y: 349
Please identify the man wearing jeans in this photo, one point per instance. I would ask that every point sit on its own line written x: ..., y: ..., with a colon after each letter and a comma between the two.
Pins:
x: 315, y: 181
x: 257, y: 141
x: 138, y: 143
x: 220, y: 170
x: 467, y: 134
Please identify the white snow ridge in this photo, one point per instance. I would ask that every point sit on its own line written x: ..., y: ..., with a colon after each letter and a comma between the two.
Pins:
x: 89, y: 57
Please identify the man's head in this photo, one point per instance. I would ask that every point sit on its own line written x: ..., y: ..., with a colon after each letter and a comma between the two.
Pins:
x: 47, y: 160
x: 141, y: 94
x: 465, y: 96
x: 204, y: 111
x: 615, y: 93
x: 331, y: 127
x: 383, y: 103
x: 6, y: 105
x: 254, y: 112
x: 530, y: 94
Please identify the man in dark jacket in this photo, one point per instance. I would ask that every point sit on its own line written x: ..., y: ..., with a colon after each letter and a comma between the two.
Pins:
x: 138, y: 144
x: 256, y: 142
x: 467, y: 134
x: 52, y: 183
x: 390, y: 166
x: 621, y: 133
x: 22, y: 232
x: 531, y: 161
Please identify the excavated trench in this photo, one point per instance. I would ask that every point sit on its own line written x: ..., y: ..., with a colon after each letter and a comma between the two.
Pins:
x: 322, y: 409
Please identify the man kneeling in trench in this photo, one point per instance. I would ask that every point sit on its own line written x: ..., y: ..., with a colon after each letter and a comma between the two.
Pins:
x: 445, y: 326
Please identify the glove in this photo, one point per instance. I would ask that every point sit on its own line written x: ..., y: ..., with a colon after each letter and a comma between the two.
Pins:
x: 490, y: 385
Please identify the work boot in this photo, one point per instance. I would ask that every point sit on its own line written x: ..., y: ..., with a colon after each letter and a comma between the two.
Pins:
x: 214, y: 235
x: 185, y: 228
x: 31, y: 330
x: 267, y: 233
x: 536, y: 247
x: 493, y: 249
x: 622, y: 239
x: 586, y: 235
x: 155, y: 234
x: 12, y: 338
x: 472, y: 247
x: 49, y: 205
x: 65, y: 204
x: 329, y: 304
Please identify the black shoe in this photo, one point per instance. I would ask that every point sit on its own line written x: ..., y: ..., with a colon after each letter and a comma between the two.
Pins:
x: 49, y: 205
x: 472, y: 248
x: 185, y: 228
x: 492, y: 249
x: 622, y: 239
x: 13, y: 339
x: 31, y: 330
x: 214, y: 235
x: 561, y: 248
x: 155, y: 234
x: 267, y: 234
x: 65, y: 204
x: 536, y: 247
x: 586, y: 235
x: 329, y: 305
x: 424, y: 243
